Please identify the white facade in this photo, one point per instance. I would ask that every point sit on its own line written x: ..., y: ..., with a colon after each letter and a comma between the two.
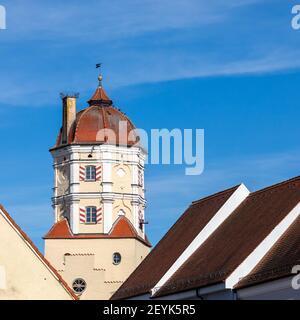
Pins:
x: 122, y: 176
x: 98, y: 237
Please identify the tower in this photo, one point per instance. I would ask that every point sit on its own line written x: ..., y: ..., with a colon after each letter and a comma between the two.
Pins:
x: 98, y: 237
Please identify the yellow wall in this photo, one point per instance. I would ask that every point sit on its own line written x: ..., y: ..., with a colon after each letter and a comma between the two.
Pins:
x: 125, y: 206
x: 118, y: 189
x: 91, y: 259
x: 23, y: 275
x: 122, y: 184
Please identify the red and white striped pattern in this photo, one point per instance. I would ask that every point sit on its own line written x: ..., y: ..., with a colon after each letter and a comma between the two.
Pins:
x: 99, y: 215
x: 82, y: 215
x: 82, y: 173
x: 98, y: 173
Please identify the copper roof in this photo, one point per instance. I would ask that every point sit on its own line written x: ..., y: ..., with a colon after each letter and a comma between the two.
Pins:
x: 155, y: 265
x: 100, y: 97
x: 122, y: 229
x: 38, y: 253
x: 236, y: 238
x: 100, y: 124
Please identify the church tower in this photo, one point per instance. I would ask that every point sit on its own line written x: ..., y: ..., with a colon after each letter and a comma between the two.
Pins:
x: 98, y: 237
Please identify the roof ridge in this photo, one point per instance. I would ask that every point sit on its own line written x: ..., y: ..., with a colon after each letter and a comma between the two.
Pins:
x: 276, y: 185
x: 214, y: 195
x: 196, y: 202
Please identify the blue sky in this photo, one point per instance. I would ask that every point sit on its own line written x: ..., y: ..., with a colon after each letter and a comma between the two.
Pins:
x: 231, y: 67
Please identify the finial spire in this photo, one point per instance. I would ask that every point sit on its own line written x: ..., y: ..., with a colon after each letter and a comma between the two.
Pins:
x: 100, y: 98
x: 100, y: 78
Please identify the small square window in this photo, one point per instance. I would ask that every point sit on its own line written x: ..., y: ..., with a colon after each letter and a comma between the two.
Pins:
x: 90, y: 173
x: 91, y: 215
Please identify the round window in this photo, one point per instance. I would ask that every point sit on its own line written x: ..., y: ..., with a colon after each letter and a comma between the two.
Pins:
x: 116, y: 258
x: 79, y: 285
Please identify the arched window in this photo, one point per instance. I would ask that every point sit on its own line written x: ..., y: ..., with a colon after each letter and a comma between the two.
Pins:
x: 116, y: 258
x: 90, y: 173
x: 91, y: 215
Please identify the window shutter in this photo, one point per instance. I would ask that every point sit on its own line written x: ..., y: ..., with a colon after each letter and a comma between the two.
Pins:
x: 99, y: 215
x: 98, y: 173
x: 82, y: 173
x: 82, y: 215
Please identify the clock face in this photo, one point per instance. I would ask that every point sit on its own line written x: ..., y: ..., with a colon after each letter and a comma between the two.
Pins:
x: 62, y: 180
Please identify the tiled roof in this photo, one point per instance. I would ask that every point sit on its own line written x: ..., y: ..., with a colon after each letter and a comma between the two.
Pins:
x: 279, y: 261
x: 60, y: 229
x: 237, y: 237
x: 38, y: 253
x: 154, y: 266
x: 99, y: 123
x: 122, y: 229
x: 226, y: 248
x: 99, y: 97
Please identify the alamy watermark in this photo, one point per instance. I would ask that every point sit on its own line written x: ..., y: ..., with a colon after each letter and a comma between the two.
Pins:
x: 2, y: 18
x: 176, y: 146
x: 296, y: 278
x: 296, y: 18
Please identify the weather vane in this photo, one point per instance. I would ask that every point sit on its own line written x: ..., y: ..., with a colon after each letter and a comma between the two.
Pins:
x: 98, y: 66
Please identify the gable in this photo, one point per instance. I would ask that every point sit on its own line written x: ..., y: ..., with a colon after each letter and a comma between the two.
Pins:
x: 24, y: 272
x: 237, y: 238
x: 173, y: 244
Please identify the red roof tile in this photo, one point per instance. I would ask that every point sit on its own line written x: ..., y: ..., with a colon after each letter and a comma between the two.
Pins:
x: 279, y: 261
x: 122, y: 229
x: 59, y: 230
x: 236, y: 238
x: 162, y: 257
x: 36, y: 250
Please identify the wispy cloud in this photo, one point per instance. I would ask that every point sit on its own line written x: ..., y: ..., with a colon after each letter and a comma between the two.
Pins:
x: 153, y: 41
x: 256, y: 171
x: 161, y: 68
x: 103, y: 20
